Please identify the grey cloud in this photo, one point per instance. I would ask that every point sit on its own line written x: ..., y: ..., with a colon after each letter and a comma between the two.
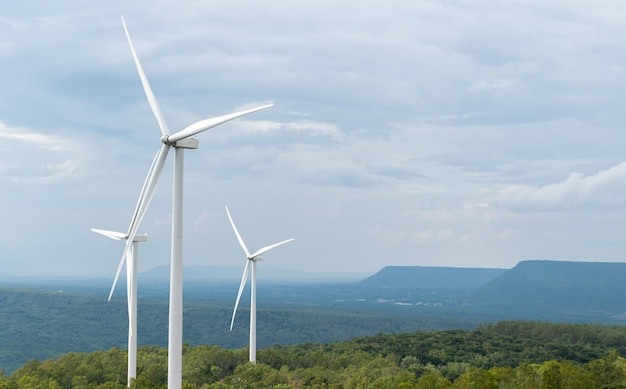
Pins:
x: 427, y: 129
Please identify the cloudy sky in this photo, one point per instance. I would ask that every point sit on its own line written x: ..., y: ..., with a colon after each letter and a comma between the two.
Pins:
x: 447, y: 133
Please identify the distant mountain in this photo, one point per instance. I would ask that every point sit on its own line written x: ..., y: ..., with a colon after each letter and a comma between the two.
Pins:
x: 562, y: 284
x: 230, y: 273
x: 432, y: 278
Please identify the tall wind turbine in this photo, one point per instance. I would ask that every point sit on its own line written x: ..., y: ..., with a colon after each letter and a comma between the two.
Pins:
x: 180, y: 141
x: 131, y: 296
x: 250, y: 259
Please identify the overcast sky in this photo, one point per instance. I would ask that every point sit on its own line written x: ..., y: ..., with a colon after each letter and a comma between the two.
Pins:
x: 441, y: 133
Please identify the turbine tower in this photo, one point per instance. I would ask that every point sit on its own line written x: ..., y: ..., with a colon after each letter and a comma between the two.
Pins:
x: 131, y: 295
x: 250, y: 259
x: 180, y: 141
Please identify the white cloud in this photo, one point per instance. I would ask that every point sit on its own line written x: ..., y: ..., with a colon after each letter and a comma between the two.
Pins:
x: 40, y: 140
x: 605, y: 189
x: 65, y: 169
x: 311, y: 127
x: 486, y: 85
x: 432, y: 235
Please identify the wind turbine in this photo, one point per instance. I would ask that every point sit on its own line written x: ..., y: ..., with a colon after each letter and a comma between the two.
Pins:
x: 250, y: 259
x: 131, y: 296
x: 180, y: 141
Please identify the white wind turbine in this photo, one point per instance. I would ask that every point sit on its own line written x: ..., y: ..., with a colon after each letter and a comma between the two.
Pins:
x: 131, y: 296
x: 250, y: 259
x: 179, y: 141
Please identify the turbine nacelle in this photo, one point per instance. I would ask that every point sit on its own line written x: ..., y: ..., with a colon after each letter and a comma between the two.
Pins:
x: 185, y: 143
x: 120, y: 235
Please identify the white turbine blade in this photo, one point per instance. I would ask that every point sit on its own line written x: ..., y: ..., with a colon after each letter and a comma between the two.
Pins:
x: 241, y: 242
x: 149, y: 188
x: 203, y: 125
x: 146, y: 86
x: 144, y: 188
x: 241, y: 286
x: 268, y: 248
x: 129, y: 243
x: 142, y: 194
x: 147, y: 193
x: 110, y: 234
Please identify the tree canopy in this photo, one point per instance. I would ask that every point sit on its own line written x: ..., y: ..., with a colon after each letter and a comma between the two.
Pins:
x: 502, y: 355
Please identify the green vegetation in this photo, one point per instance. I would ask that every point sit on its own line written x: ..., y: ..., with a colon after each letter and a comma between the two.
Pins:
x: 44, y: 324
x: 502, y: 355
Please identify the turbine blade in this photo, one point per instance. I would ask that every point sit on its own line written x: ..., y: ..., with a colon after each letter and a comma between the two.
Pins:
x: 241, y: 242
x: 146, y: 86
x: 268, y: 248
x: 129, y: 243
x: 142, y: 206
x: 241, y: 286
x: 110, y: 234
x: 147, y: 191
x: 203, y: 125
x: 145, y: 185
x: 142, y: 194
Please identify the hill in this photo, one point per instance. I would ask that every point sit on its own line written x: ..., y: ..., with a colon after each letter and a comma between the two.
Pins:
x: 503, y: 355
x: 432, y: 278
x: 561, y: 285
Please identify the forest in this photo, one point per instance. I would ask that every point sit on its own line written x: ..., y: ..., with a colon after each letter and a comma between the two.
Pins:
x: 44, y: 324
x: 508, y: 354
x: 46, y: 319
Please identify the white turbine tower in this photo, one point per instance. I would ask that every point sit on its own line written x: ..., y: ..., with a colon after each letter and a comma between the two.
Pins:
x: 131, y: 296
x: 250, y: 259
x: 179, y: 141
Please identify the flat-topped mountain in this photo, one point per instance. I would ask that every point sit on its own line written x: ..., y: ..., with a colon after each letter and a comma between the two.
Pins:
x: 432, y: 277
x: 563, y: 284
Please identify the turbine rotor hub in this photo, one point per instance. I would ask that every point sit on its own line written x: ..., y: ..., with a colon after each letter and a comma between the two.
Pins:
x: 165, y: 140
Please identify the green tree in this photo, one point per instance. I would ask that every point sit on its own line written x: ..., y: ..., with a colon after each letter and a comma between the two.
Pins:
x: 31, y: 382
x: 610, y: 370
x: 551, y: 375
x: 527, y: 376
x: 433, y: 379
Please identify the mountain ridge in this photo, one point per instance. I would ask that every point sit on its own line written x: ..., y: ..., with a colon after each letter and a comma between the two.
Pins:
x: 432, y: 277
x: 566, y: 284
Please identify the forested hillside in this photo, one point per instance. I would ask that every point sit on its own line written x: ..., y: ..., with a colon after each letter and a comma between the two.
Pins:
x: 503, y: 355
x: 43, y: 324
